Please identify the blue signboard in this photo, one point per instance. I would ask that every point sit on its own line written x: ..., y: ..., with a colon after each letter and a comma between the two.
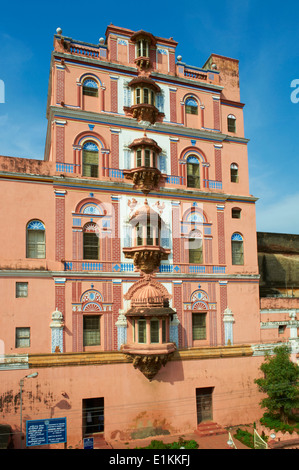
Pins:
x: 41, y: 432
x: 88, y: 442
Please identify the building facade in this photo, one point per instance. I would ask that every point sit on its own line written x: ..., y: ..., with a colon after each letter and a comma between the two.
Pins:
x: 129, y: 269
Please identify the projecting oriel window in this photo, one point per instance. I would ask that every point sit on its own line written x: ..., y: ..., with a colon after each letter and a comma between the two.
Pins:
x: 142, y: 48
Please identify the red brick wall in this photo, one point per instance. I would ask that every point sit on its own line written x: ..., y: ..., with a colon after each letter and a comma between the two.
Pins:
x: 173, y: 116
x: 131, y: 53
x: 60, y: 228
x: 59, y: 86
x: 60, y: 143
x: 172, y: 63
x: 221, y: 237
x: 117, y: 303
x: 114, y: 97
x: 113, y: 50
x: 216, y: 108
x: 60, y: 303
x: 177, y: 300
x: 218, y: 164
x: 174, y: 158
x: 114, y: 150
x: 223, y: 306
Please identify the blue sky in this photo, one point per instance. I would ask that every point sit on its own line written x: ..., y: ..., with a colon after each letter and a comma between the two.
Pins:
x: 263, y: 35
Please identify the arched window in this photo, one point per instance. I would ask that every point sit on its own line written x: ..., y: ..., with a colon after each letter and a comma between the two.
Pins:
x: 90, y: 159
x: 191, y: 106
x: 231, y: 123
x: 195, y: 247
x: 90, y: 87
x: 35, y: 240
x: 237, y: 249
x: 234, y: 173
x: 193, y: 172
x: 91, y: 245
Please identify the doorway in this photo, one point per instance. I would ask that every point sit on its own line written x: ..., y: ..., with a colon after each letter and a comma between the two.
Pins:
x: 204, y: 405
x: 93, y: 415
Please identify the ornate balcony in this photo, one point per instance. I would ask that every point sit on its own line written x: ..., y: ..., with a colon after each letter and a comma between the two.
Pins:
x: 148, y: 317
x: 143, y: 107
x: 145, y: 176
x: 146, y: 250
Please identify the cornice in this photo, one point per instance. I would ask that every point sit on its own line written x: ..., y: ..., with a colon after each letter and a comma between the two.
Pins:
x: 108, y: 119
x: 69, y: 183
x: 112, y: 66
x: 70, y: 275
x: 103, y: 357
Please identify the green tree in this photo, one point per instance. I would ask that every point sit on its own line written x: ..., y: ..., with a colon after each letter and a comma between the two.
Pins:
x: 280, y: 383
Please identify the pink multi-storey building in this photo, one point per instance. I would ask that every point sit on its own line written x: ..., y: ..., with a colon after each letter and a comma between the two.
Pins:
x: 129, y: 271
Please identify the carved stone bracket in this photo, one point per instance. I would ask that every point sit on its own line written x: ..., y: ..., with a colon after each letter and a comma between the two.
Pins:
x: 149, y: 365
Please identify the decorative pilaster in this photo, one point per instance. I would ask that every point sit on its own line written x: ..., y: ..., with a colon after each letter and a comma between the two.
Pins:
x: 218, y: 162
x: 177, y: 299
x: 60, y: 79
x: 114, y: 94
x: 121, y: 325
x: 221, y: 234
x: 115, y: 148
x: 216, y: 109
x: 60, y: 141
x: 60, y: 225
x: 79, y: 93
x: 116, y: 252
x: 174, y: 155
x: 117, y: 302
x: 176, y: 226
x: 228, y: 320
x: 56, y: 326
x: 60, y: 301
x: 223, y: 306
x: 172, y: 99
x: 174, y: 330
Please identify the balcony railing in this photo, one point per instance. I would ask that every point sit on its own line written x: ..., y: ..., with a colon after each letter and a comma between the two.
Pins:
x: 84, y: 51
x: 108, y: 266
x: 118, y: 174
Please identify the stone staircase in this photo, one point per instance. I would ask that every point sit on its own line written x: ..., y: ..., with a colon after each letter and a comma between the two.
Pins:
x: 209, y: 428
x: 99, y: 442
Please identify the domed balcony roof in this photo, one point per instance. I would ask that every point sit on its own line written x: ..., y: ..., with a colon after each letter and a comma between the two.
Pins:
x: 149, y: 298
x: 145, y: 142
x: 144, y: 213
x: 143, y: 35
x: 144, y: 81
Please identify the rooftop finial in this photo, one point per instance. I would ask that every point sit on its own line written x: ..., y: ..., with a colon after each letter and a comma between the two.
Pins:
x: 59, y: 31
